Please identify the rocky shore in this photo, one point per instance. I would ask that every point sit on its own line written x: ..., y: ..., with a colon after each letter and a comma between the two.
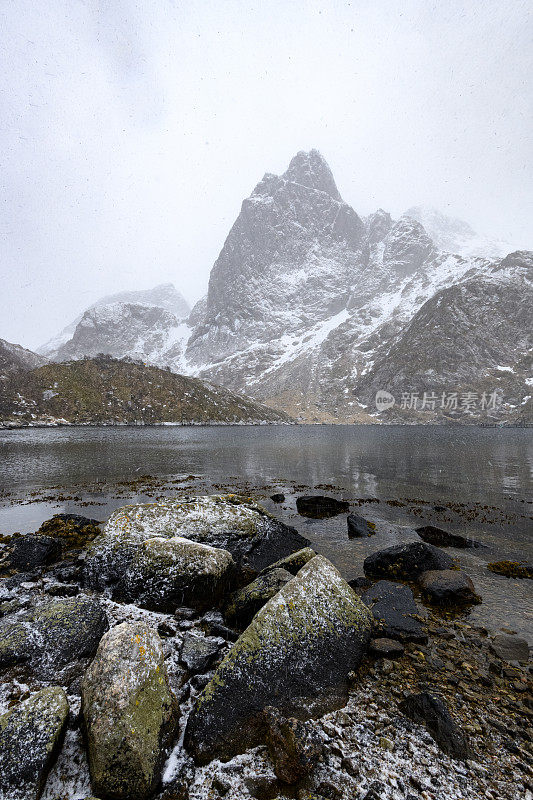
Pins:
x: 198, y: 648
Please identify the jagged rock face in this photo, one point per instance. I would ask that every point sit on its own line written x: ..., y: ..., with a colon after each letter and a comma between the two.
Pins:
x: 149, y: 333
x: 470, y: 336
x: 289, y: 262
x: 305, y: 299
x: 14, y: 357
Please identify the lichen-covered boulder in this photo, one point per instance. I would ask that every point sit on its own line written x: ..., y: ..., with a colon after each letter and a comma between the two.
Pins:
x: 73, y: 530
x: 53, y: 635
x: 295, y: 655
x: 129, y: 713
x: 30, y: 736
x: 244, y: 604
x: 229, y: 522
x: 165, y: 573
x: 292, y: 563
x: 406, y: 561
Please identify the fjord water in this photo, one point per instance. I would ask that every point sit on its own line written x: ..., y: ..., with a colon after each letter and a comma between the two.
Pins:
x: 480, y: 478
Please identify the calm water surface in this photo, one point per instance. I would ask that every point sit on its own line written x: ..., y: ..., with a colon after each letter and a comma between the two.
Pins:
x: 481, y: 477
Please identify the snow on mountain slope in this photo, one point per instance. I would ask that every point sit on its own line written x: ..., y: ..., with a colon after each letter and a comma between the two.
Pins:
x: 14, y: 357
x: 307, y: 301
x: 149, y: 333
x: 454, y: 235
x: 163, y: 296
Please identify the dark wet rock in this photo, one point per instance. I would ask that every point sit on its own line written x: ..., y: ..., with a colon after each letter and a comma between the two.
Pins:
x: 73, y: 530
x: 510, y: 648
x: 292, y: 563
x: 436, y: 536
x: 185, y: 613
x: 376, y: 791
x: 511, y: 569
x: 30, y: 736
x: 32, y: 551
x: 448, y: 587
x: 228, y: 522
x: 360, y: 584
x: 52, y: 635
x: 359, y: 527
x: 430, y: 711
x: 244, y: 604
x: 277, y: 498
x: 164, y: 572
x: 166, y: 630
x: 406, y: 561
x: 320, y: 507
x: 129, y: 712
x: 395, y: 611
x: 198, y: 652
x: 294, y: 746
x: 386, y: 648
x: 217, y: 629
x: 296, y: 652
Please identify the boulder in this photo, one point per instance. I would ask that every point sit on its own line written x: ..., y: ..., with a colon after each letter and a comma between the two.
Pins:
x: 165, y: 573
x: 448, y: 587
x: 253, y: 537
x: 277, y: 498
x: 439, y: 538
x: 244, y: 604
x: 295, y: 654
x: 395, y: 611
x: 32, y: 551
x: 30, y: 736
x: 53, y: 635
x: 430, y: 711
x: 197, y: 652
x: 294, y: 746
x: 510, y: 648
x: 73, y: 530
x: 359, y: 527
x: 292, y: 563
x: 386, y: 648
x: 406, y: 561
x: 319, y: 507
x: 129, y: 713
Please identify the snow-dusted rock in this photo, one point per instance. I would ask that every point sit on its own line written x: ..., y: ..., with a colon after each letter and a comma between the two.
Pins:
x: 30, y: 734
x: 228, y: 522
x: 129, y: 712
x: 296, y: 655
x: 165, y: 573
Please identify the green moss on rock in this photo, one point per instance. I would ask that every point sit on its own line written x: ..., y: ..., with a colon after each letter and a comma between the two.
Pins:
x: 295, y: 655
x: 129, y: 713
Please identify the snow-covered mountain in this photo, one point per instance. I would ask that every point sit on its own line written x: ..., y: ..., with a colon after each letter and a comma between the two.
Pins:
x: 13, y: 357
x: 165, y: 296
x: 310, y: 308
x: 454, y: 235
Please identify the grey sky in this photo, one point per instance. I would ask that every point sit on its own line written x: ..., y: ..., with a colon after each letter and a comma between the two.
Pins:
x: 131, y: 131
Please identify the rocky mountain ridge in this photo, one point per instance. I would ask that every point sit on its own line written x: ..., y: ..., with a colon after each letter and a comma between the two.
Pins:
x: 308, y: 304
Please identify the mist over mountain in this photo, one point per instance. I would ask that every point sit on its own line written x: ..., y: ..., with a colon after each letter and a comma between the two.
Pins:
x: 311, y: 308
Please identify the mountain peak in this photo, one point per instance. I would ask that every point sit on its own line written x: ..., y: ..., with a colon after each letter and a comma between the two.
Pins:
x: 311, y: 169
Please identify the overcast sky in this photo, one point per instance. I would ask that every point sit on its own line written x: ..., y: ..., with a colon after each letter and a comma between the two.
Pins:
x: 131, y: 131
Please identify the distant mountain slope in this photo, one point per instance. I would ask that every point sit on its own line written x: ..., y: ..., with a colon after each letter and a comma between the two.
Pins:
x: 475, y: 336
x: 454, y: 235
x: 14, y: 357
x: 165, y: 296
x: 149, y: 333
x: 107, y: 390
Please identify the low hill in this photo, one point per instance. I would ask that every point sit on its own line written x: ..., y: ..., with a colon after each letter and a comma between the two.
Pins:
x: 104, y: 390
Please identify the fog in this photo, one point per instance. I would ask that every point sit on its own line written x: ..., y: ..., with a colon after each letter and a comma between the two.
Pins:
x: 131, y: 131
